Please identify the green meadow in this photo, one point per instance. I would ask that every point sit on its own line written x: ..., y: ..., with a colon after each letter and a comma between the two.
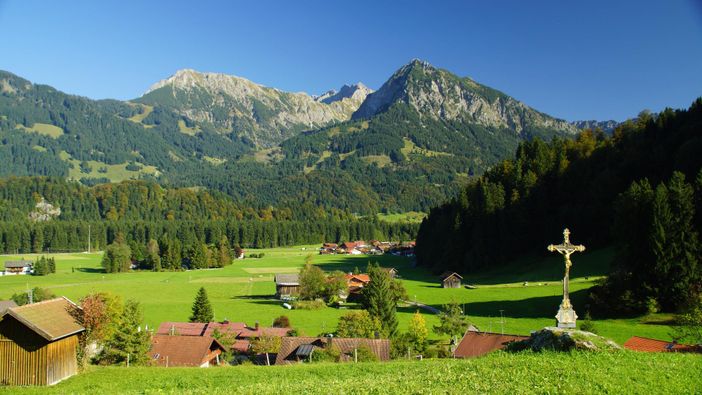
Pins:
x: 624, y: 372
x: 518, y: 298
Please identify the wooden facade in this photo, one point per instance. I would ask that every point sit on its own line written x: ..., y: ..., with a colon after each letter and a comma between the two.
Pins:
x: 27, y: 357
x: 451, y: 280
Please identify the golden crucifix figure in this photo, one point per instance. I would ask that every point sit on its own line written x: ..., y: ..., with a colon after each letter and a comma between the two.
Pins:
x: 566, y: 315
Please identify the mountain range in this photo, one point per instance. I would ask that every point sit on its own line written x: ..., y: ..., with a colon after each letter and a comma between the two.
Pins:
x: 407, y: 146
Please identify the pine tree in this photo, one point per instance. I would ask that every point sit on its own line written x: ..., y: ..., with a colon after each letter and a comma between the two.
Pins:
x: 202, y: 310
x: 379, y: 301
x: 684, y: 268
x: 128, y: 341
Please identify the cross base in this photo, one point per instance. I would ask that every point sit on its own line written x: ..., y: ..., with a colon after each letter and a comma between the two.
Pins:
x: 566, y: 317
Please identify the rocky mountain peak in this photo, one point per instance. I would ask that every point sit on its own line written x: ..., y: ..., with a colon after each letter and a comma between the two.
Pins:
x: 440, y: 95
x: 357, y: 92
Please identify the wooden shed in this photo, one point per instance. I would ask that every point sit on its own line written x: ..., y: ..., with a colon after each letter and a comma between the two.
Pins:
x: 38, y: 343
x: 451, y: 280
x: 287, y: 285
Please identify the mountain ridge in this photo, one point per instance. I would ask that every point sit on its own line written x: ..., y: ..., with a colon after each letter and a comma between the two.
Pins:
x: 263, y: 114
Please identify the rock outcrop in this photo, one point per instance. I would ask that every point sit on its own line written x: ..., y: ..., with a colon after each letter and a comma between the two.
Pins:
x: 559, y: 339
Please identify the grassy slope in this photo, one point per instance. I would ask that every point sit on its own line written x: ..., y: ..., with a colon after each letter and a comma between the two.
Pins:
x: 244, y: 290
x: 622, y: 372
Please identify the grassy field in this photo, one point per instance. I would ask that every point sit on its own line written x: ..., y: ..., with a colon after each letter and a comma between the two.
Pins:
x: 244, y: 291
x: 410, y: 216
x: 500, y: 373
x: 115, y: 173
x: 43, y: 128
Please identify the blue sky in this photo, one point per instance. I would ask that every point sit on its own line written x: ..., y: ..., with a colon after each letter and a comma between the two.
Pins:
x: 574, y: 60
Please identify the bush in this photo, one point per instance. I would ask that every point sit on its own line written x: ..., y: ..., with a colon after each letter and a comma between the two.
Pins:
x: 308, y: 304
x: 281, y: 322
x: 328, y: 354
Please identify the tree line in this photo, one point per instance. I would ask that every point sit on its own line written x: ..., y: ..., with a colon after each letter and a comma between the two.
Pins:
x: 521, y: 205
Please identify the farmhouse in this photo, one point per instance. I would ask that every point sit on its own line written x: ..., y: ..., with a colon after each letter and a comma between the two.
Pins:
x: 644, y: 344
x: 356, y: 282
x: 287, y: 285
x: 38, y: 343
x: 241, y: 332
x: 451, y: 280
x: 299, y: 349
x: 195, y: 351
x: 475, y: 344
x: 18, y: 267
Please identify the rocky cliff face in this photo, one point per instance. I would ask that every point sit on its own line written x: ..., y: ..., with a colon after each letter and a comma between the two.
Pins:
x: 265, y: 115
x: 440, y: 95
x: 606, y: 126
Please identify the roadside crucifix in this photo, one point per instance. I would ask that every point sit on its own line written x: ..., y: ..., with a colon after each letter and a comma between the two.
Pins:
x: 566, y: 315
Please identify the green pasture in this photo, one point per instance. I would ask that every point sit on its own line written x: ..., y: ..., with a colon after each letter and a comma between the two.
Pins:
x: 518, y: 298
x: 624, y: 372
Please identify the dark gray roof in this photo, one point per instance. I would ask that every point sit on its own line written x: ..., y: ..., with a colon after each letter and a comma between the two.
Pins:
x: 304, y: 350
x: 16, y: 264
x: 287, y: 279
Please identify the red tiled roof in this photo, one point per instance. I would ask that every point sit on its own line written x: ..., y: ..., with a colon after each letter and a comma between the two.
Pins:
x: 184, y: 350
x: 475, y: 344
x: 252, y: 332
x: 241, y: 346
x: 645, y: 344
x: 181, y: 328
x: 224, y: 327
x: 363, y: 278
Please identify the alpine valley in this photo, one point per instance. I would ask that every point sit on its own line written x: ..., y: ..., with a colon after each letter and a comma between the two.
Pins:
x: 410, y: 145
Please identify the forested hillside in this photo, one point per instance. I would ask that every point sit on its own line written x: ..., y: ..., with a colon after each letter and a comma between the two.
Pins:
x: 522, y: 205
x: 143, y: 211
x: 412, y: 145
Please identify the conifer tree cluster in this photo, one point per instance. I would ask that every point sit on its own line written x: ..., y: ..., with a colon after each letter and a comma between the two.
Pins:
x: 379, y: 300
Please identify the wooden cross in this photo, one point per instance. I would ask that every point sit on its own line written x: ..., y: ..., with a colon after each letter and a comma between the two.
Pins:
x: 566, y: 249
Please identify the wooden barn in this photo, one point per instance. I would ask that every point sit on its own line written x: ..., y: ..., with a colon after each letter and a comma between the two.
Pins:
x: 38, y: 343
x: 287, y: 285
x: 451, y: 280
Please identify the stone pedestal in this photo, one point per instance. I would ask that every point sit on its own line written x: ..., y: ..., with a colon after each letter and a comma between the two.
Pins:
x: 566, y: 317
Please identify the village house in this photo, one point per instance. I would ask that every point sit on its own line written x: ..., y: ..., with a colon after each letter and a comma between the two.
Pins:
x: 287, y: 285
x: 38, y: 343
x: 191, y: 351
x: 636, y: 343
x: 475, y: 343
x: 18, y: 267
x: 356, y: 282
x: 451, y: 280
x: 300, y: 349
x: 241, y: 333
x: 328, y: 248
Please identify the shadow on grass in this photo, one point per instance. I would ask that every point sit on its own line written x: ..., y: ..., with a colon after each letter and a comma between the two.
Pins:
x: 537, y: 307
x: 89, y: 269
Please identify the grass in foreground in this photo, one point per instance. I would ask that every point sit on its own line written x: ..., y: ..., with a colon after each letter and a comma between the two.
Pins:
x: 578, y: 372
